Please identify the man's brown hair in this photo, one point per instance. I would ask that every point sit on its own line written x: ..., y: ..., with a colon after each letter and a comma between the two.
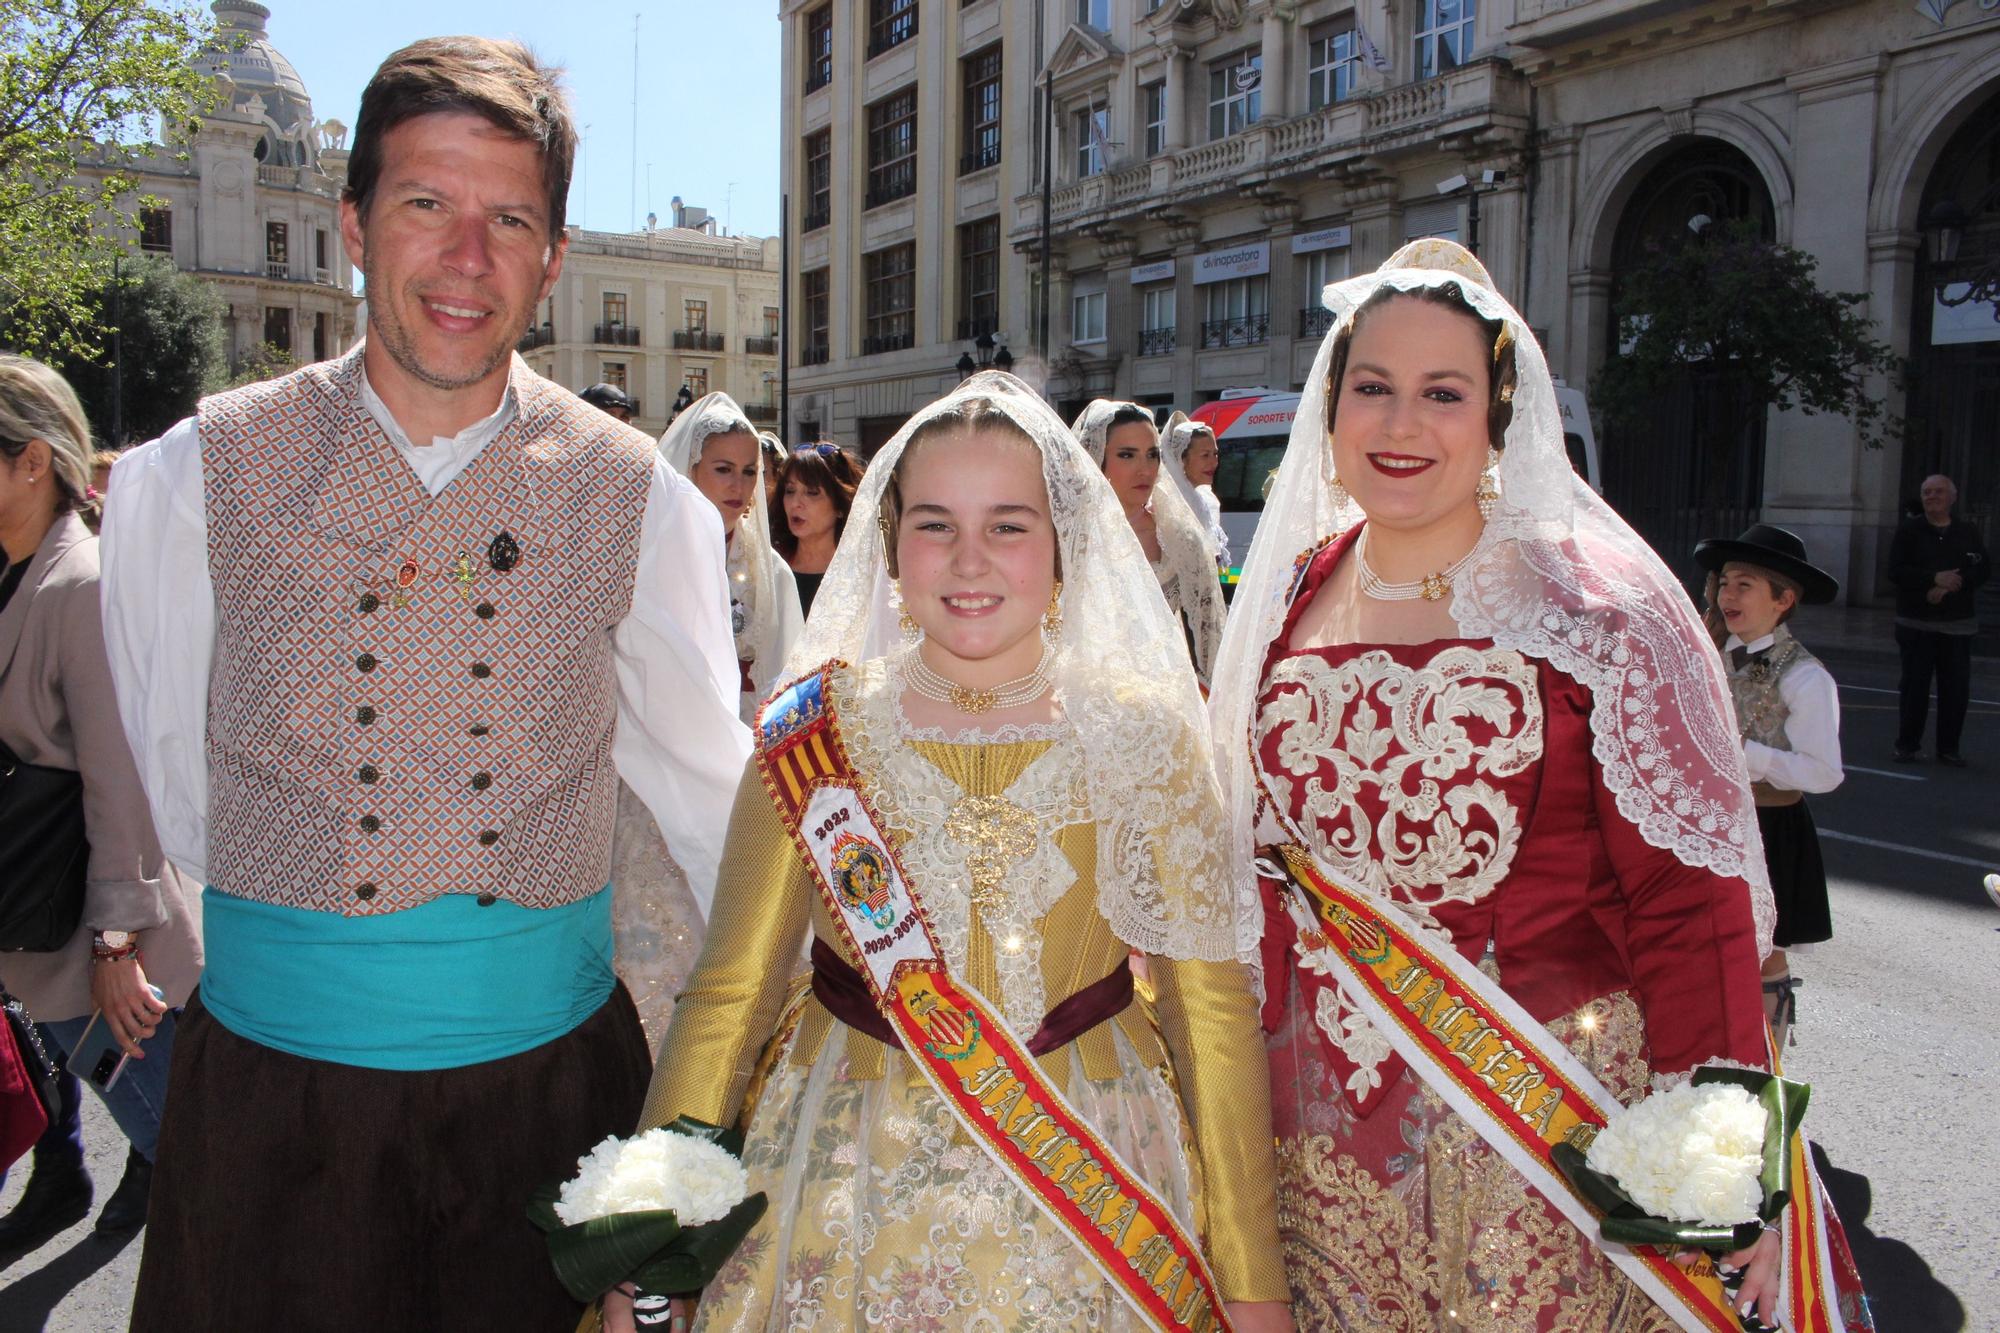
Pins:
x: 499, y: 81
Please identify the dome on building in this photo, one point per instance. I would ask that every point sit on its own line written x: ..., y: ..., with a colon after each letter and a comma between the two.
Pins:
x: 266, y: 87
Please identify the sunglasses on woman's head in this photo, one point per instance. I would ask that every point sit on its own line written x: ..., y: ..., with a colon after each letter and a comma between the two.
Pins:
x: 823, y: 449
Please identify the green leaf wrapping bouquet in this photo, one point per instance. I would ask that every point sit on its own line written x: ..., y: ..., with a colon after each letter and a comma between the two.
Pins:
x: 1702, y: 1165
x: 663, y: 1210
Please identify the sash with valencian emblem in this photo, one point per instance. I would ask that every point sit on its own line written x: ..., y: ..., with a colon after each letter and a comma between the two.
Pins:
x: 970, y: 1056
x: 1523, y: 1092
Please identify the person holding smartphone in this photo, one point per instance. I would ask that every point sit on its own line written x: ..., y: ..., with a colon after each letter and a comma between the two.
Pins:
x: 56, y: 709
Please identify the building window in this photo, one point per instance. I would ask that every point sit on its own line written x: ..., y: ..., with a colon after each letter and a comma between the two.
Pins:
x: 819, y: 48
x: 1331, y: 62
x: 1156, y: 319
x: 694, y: 316
x: 1316, y: 270
x: 819, y: 180
x: 1153, y: 108
x: 278, y: 328
x: 1090, y: 131
x: 1235, y: 94
x: 813, y: 347
x: 981, y: 114
x: 771, y: 317
x: 614, y: 308
x: 1094, y: 14
x: 156, y: 230
x: 696, y: 380
x: 890, y: 24
x: 613, y: 374
x: 978, y: 278
x: 890, y: 276
x: 892, y: 148
x: 1087, y: 317
x: 1444, y: 35
x: 320, y: 351
x: 1236, y: 313
x: 277, y: 250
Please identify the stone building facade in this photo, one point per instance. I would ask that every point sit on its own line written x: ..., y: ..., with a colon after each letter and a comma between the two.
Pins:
x: 250, y: 203
x: 655, y: 311
x: 1217, y: 161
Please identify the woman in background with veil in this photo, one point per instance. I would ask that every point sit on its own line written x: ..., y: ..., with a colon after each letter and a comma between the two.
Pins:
x: 713, y: 444
x: 1456, y: 686
x: 1122, y: 440
x: 991, y: 734
x: 1190, y: 455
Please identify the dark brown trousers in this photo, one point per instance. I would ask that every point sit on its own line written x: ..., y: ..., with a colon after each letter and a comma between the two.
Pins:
x: 299, y: 1195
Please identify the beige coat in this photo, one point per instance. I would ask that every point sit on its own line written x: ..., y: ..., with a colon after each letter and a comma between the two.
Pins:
x: 57, y: 710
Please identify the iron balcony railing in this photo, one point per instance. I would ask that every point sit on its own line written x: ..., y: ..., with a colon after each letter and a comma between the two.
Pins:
x: 698, y: 340
x: 1243, y: 331
x: 1157, y: 342
x: 615, y: 335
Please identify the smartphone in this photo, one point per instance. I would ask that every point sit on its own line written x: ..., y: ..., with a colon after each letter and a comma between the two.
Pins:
x: 98, y: 1058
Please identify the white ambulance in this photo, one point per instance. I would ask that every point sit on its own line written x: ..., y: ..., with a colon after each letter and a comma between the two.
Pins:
x: 1252, y: 427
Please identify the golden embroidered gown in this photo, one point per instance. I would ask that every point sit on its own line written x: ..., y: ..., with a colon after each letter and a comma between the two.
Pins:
x: 1457, y: 777
x: 882, y: 1212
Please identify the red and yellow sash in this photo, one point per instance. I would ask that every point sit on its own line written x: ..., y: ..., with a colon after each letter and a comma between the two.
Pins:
x: 970, y: 1056
x: 1523, y: 1092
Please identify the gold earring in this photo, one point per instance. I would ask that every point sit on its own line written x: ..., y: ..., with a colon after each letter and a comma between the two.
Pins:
x: 912, y: 631
x: 1506, y: 393
x: 1052, y: 618
x: 1338, y: 491
x: 1488, y: 493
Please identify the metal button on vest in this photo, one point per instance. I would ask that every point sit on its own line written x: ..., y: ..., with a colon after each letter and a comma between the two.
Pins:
x: 484, y: 610
x: 489, y: 837
x: 364, y: 891
x: 477, y: 729
x: 481, y: 781
x: 368, y: 773
x: 369, y: 601
x: 369, y: 823
x: 481, y: 671
x: 364, y: 715
x: 365, y: 662
x: 486, y: 900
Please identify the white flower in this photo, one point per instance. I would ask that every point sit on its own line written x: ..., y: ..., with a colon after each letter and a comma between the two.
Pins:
x: 699, y: 1181
x: 1688, y: 1154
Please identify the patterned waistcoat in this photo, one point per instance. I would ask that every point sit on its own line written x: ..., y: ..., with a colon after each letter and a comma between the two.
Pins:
x: 1761, y: 711
x: 413, y: 696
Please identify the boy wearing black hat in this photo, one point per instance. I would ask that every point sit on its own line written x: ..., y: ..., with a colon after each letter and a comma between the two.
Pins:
x: 1788, y: 713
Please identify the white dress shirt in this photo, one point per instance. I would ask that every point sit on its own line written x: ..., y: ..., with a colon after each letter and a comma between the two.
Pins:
x: 1812, y: 725
x: 678, y: 744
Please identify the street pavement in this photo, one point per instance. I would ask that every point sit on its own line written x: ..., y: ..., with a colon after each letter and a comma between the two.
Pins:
x: 1896, y: 1035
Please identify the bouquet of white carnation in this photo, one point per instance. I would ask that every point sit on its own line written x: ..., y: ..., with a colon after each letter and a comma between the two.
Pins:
x: 664, y: 1209
x: 1699, y: 1165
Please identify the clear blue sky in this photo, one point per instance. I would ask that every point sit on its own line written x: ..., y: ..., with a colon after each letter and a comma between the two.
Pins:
x: 708, y: 89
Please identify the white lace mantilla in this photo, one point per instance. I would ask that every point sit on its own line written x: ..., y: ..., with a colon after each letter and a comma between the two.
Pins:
x: 1398, y: 733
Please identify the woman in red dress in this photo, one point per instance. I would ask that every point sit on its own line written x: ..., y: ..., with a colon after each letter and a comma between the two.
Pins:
x: 1463, y: 685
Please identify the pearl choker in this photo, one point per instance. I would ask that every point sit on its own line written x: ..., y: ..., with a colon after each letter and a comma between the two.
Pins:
x: 919, y: 676
x: 1431, y: 587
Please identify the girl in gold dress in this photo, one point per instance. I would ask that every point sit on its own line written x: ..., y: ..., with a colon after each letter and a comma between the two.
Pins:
x: 1034, y: 749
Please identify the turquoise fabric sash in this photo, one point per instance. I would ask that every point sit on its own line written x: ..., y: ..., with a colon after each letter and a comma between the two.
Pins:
x: 439, y: 986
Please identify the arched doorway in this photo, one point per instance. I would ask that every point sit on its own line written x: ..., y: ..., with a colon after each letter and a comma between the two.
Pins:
x: 1695, y: 466
x: 1953, y: 415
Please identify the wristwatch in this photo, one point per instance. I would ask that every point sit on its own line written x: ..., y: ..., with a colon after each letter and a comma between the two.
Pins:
x: 113, y: 939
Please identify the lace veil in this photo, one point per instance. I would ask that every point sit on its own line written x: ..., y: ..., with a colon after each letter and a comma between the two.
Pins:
x: 1166, y: 879
x: 766, y: 614
x: 1174, y: 441
x: 1187, y: 553
x: 1557, y: 575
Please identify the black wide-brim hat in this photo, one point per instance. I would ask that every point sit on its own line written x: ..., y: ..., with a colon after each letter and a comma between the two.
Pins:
x: 1774, y: 548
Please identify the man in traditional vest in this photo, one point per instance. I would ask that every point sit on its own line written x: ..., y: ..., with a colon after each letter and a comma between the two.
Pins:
x: 386, y: 633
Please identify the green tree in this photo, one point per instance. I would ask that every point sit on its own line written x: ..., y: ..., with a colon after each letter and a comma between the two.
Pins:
x: 82, y: 81
x: 1747, y: 315
x: 265, y: 361
x: 170, y: 350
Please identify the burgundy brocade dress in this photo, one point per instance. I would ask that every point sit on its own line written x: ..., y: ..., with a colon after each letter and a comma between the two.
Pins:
x: 1458, y: 777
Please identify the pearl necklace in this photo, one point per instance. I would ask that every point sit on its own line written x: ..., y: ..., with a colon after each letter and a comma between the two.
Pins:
x: 919, y: 676
x: 1431, y: 587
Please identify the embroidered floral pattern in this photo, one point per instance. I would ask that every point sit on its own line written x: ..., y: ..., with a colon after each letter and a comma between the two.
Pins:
x: 1387, y: 765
